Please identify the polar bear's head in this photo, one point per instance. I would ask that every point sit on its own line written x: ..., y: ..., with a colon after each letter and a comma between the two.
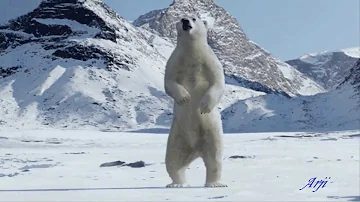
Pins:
x: 192, y: 28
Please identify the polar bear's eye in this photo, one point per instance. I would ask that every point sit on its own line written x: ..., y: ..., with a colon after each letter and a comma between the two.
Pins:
x: 194, y: 19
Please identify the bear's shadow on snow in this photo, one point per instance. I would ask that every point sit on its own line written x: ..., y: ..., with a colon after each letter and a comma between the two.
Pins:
x: 151, y: 130
x: 351, y: 136
x: 92, y: 189
x: 351, y: 198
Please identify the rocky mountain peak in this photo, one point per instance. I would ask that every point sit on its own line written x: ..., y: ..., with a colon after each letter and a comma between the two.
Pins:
x: 93, y: 13
x: 67, y: 26
x: 244, y: 62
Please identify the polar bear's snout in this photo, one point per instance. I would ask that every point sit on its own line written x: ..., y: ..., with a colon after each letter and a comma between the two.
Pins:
x: 186, y: 24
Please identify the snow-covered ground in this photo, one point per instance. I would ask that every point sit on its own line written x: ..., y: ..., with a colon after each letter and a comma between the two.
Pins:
x: 49, y: 165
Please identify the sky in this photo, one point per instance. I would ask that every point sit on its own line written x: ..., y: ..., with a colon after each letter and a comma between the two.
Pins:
x: 286, y: 28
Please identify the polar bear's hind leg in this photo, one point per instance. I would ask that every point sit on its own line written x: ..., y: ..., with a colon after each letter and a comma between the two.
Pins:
x: 211, y: 153
x: 179, y: 155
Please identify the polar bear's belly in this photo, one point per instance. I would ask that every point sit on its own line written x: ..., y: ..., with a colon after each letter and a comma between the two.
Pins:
x: 195, y: 83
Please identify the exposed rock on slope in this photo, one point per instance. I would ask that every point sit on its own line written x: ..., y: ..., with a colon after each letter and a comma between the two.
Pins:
x: 352, y: 80
x: 327, y: 68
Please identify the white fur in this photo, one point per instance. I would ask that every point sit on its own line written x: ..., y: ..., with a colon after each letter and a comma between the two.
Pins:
x: 194, y: 78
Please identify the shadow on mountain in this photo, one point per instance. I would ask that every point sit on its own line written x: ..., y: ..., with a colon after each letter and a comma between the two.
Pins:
x: 254, y: 85
x: 350, y: 198
x: 89, y: 189
x: 151, y: 130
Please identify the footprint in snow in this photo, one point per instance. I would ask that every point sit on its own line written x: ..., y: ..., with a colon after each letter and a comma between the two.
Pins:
x: 241, y: 157
x: 27, y: 167
x: 9, y: 175
x: 217, y: 197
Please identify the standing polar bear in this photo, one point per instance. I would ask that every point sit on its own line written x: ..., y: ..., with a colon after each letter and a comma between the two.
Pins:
x: 194, y: 78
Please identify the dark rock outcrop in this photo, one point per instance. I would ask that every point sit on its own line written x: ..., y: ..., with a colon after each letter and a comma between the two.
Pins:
x: 114, y: 163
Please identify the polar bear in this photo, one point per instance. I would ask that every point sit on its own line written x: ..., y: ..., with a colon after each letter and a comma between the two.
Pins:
x: 194, y: 78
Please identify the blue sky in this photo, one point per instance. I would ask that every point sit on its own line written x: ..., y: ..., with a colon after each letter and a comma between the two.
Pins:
x: 286, y: 28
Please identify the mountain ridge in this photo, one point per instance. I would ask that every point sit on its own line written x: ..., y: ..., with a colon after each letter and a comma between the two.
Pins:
x: 246, y: 62
x: 328, y: 68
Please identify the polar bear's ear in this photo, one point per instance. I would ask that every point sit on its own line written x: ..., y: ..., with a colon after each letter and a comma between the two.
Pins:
x: 205, y: 23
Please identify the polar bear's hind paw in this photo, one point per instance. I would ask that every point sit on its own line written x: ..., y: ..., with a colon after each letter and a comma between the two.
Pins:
x: 216, y: 184
x: 174, y: 185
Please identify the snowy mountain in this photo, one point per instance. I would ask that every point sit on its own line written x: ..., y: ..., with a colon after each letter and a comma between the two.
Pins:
x: 338, y: 109
x: 76, y: 63
x: 327, y: 68
x: 243, y: 61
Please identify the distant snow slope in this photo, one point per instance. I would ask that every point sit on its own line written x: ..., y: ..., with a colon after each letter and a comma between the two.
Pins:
x: 338, y: 109
x: 330, y: 111
x: 327, y: 68
x: 48, y: 165
x: 352, y: 52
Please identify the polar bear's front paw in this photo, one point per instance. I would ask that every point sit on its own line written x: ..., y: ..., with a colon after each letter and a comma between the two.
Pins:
x: 215, y: 184
x: 184, y: 100
x: 206, y: 105
x: 174, y: 185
